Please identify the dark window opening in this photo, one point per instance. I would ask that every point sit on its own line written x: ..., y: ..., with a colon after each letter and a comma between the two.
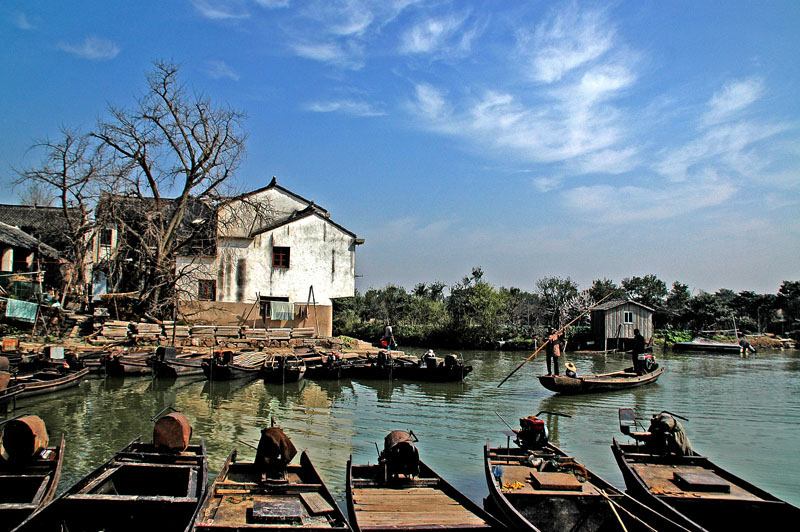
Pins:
x: 280, y: 257
x: 105, y: 237
x: 628, y: 317
x: 207, y: 290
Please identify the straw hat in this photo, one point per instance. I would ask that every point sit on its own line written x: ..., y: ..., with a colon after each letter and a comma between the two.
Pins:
x: 570, y: 366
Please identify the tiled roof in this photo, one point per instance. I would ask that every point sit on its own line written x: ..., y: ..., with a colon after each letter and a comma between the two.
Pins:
x: 11, y: 236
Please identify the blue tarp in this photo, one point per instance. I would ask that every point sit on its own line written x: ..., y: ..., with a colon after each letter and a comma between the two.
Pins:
x: 21, y: 310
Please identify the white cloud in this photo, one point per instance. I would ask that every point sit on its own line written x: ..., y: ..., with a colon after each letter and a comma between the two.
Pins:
x: 564, y: 41
x: 733, y: 97
x: 221, y: 9
x: 273, y: 4
x: 434, y: 33
x: 218, y: 69
x: 329, y: 52
x: 350, y: 107
x: 93, y: 48
x: 547, y: 184
x: 429, y: 102
x: 623, y: 204
x: 21, y: 22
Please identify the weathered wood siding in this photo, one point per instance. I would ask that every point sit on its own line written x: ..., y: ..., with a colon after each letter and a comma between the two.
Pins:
x: 610, y: 323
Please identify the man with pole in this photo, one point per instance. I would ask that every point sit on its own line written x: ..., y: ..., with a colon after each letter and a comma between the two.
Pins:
x: 553, y: 349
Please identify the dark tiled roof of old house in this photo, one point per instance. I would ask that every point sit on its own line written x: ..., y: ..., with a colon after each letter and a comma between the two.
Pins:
x: 46, y: 223
x: 14, y: 237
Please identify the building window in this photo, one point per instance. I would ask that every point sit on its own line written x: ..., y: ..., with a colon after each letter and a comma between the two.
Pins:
x: 280, y: 257
x: 628, y: 317
x: 207, y: 290
x: 105, y: 237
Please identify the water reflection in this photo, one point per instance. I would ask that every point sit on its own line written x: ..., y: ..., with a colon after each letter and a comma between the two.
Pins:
x: 734, y: 405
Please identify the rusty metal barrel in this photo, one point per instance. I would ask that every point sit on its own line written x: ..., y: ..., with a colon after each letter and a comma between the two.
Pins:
x: 172, y: 432
x: 22, y: 438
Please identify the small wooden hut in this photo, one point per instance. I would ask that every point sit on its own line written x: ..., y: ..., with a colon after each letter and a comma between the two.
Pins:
x: 613, y: 323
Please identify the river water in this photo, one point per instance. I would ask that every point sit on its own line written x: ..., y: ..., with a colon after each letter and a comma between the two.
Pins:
x: 744, y: 413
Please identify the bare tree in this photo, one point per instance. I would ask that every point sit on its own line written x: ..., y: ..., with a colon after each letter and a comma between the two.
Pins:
x: 174, y: 151
x: 35, y: 194
x: 72, y: 168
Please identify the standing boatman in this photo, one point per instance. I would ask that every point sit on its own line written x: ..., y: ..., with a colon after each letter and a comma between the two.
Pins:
x: 638, y: 349
x: 553, y: 349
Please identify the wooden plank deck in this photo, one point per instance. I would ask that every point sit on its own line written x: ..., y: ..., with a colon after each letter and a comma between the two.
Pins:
x: 379, y: 508
x: 659, y: 478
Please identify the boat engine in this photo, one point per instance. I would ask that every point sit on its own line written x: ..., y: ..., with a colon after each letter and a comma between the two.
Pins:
x: 532, y: 434
x: 275, y: 451
x: 400, y: 456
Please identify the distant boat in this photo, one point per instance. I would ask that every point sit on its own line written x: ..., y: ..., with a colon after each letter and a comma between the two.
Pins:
x: 283, y: 368
x: 618, y: 380
x: 168, y: 363
x: 664, y: 472
x: 225, y: 366
x: 705, y: 345
x: 42, y: 382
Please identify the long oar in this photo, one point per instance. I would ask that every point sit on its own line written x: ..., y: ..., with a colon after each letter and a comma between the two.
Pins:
x: 548, y: 340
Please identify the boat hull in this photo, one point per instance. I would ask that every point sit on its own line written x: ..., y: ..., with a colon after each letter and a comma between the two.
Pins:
x: 25, y: 489
x: 426, y: 503
x: 39, y: 386
x: 621, y: 380
x: 563, y: 503
x: 743, y: 507
x: 139, y: 488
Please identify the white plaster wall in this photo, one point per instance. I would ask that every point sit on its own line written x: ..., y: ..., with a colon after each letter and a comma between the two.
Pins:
x: 277, y: 203
x: 321, y: 255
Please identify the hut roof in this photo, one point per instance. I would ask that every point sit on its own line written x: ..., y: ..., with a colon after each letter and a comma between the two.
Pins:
x: 614, y: 303
x: 12, y: 236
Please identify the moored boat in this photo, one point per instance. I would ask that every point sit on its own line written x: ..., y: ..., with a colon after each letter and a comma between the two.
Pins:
x: 9, y: 395
x: 29, y: 469
x: 48, y: 381
x: 168, y: 363
x: 224, y: 366
x: 429, y: 367
x: 662, y: 470
x: 707, y: 346
x: 127, y: 365
x: 402, y: 493
x: 537, y: 486
x: 145, y: 486
x: 618, y: 380
x: 270, y: 493
x: 283, y: 368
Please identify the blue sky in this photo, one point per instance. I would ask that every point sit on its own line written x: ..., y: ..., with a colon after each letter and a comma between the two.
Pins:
x: 532, y: 139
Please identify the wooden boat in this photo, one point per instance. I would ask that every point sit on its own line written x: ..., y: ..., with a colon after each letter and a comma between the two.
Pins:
x: 280, y: 368
x: 224, y: 366
x: 618, y: 380
x: 387, y: 365
x: 330, y: 365
x: 537, y: 486
x: 168, y: 363
x: 707, y: 346
x: 274, y: 495
x: 402, y: 493
x: 9, y: 395
x: 48, y: 381
x: 145, y: 486
x: 664, y: 472
x: 29, y: 472
x: 127, y: 365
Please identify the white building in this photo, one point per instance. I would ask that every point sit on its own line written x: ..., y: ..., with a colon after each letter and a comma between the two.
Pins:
x: 280, y: 260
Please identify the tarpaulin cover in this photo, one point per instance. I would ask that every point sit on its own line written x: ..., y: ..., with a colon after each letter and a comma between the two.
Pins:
x: 21, y: 310
x: 281, y: 310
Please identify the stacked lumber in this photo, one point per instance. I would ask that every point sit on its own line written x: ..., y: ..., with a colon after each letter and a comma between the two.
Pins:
x: 279, y: 333
x: 115, y: 330
x: 203, y: 330
x: 148, y: 331
x: 228, y: 331
x: 302, y: 332
x: 251, y: 360
x: 254, y: 334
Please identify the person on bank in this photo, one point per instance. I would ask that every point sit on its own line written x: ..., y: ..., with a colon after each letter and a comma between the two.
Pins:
x: 388, y: 338
x: 638, y: 349
x: 744, y: 344
x: 553, y: 350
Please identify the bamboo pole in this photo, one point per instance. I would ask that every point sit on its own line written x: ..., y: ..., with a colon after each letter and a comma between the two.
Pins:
x: 548, y: 340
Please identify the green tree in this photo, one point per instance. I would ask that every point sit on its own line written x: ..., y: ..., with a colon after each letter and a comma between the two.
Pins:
x: 476, y: 309
x: 555, y: 296
x: 602, y: 287
x: 648, y: 290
